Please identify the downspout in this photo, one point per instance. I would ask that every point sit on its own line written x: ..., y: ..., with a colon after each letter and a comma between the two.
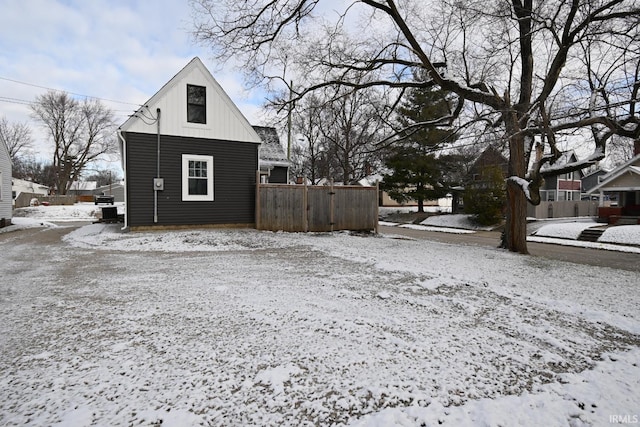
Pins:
x: 124, y: 166
x: 155, y: 189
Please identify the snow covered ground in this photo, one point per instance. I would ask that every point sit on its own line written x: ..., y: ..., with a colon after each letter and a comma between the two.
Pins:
x: 240, y: 327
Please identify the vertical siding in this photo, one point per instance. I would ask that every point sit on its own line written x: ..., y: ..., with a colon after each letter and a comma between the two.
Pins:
x: 235, y: 165
x: 224, y: 119
x: 5, y: 199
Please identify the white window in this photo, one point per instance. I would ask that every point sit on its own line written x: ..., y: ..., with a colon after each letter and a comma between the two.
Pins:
x: 197, y: 178
x: 551, y: 196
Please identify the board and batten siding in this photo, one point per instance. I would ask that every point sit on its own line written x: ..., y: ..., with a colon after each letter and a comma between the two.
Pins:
x: 6, y: 208
x: 224, y: 121
x: 234, y: 171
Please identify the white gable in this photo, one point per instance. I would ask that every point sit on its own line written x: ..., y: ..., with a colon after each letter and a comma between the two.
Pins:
x: 224, y: 120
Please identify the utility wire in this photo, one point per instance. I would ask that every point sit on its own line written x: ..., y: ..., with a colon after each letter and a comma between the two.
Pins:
x: 71, y: 93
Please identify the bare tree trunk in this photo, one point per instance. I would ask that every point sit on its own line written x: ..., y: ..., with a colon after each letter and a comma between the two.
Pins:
x: 515, y: 232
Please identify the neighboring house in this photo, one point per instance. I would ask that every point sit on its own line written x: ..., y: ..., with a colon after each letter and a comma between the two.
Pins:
x: 591, y: 179
x: 273, y: 162
x: 189, y: 156
x: 116, y: 190
x: 6, y: 207
x: 19, y: 186
x: 621, y: 184
x: 562, y: 187
x: 82, y: 188
x: 490, y: 159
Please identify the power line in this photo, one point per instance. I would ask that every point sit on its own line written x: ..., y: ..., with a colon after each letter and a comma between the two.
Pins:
x: 71, y: 93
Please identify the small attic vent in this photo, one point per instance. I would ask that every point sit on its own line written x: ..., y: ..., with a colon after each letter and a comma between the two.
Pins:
x: 196, y: 104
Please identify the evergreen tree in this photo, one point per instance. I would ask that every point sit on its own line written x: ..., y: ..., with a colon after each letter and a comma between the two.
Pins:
x: 416, y: 173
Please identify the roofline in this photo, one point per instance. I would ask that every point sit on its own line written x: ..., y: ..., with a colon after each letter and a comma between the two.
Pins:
x: 610, y: 178
x: 195, y: 62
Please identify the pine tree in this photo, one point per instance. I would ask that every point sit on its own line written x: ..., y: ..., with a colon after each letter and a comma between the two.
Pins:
x: 416, y: 173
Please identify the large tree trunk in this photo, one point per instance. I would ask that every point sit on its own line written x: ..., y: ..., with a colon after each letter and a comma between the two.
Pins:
x: 515, y: 232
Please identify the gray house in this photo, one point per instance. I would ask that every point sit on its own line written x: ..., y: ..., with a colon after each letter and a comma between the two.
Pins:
x: 274, y: 165
x: 190, y: 158
x: 6, y: 208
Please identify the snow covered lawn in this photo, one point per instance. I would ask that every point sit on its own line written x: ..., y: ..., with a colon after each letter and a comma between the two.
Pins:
x: 248, y: 328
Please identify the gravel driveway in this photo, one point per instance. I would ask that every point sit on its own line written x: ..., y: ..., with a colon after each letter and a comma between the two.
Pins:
x: 277, y: 329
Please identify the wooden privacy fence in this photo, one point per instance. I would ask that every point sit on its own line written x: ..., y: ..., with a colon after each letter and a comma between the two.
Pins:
x: 281, y: 207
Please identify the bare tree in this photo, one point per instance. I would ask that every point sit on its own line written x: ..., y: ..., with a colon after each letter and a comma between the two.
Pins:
x: 308, y: 151
x: 516, y: 65
x: 339, y: 131
x: 17, y: 136
x: 81, y: 131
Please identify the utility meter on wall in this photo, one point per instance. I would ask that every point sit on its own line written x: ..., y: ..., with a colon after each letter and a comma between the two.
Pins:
x: 158, y: 184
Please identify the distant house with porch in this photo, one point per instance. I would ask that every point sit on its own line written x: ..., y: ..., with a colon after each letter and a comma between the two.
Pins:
x: 6, y: 206
x: 623, y: 185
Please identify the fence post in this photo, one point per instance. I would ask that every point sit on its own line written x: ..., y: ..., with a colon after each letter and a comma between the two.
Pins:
x: 305, y: 208
x: 377, y: 214
x: 332, y: 205
x: 258, y: 199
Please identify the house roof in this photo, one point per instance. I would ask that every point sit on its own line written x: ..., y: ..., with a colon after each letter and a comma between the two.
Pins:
x: 224, y: 120
x: 271, y: 152
x: 608, y: 181
x: 83, y: 185
x: 564, y: 160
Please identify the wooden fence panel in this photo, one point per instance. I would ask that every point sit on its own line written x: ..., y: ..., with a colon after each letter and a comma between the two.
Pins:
x: 356, y: 208
x: 316, y: 208
x: 319, y: 208
x: 280, y: 207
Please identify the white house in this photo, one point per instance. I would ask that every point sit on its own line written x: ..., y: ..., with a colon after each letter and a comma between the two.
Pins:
x: 23, y: 186
x: 6, y: 208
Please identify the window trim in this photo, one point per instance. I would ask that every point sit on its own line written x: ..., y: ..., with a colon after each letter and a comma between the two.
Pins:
x: 186, y: 197
x: 194, y: 105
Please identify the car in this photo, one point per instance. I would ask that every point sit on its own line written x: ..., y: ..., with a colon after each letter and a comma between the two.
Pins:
x: 103, y: 198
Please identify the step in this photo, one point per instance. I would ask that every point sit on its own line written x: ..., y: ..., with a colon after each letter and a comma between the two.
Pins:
x: 590, y: 234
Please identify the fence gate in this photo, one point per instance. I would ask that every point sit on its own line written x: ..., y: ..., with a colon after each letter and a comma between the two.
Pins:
x: 316, y: 208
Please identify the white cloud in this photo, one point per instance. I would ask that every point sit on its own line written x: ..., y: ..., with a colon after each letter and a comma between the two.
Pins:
x: 116, y: 50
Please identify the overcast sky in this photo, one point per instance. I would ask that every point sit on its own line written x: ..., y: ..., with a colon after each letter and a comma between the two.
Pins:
x: 121, y: 51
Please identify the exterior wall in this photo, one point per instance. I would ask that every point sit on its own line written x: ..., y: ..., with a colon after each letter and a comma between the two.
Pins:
x: 6, y: 208
x: 224, y: 120
x: 279, y: 175
x: 626, y: 180
x: 590, y: 181
x: 234, y: 170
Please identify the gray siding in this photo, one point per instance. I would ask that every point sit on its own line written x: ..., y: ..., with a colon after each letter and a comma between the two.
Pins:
x: 278, y: 175
x: 234, y: 170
